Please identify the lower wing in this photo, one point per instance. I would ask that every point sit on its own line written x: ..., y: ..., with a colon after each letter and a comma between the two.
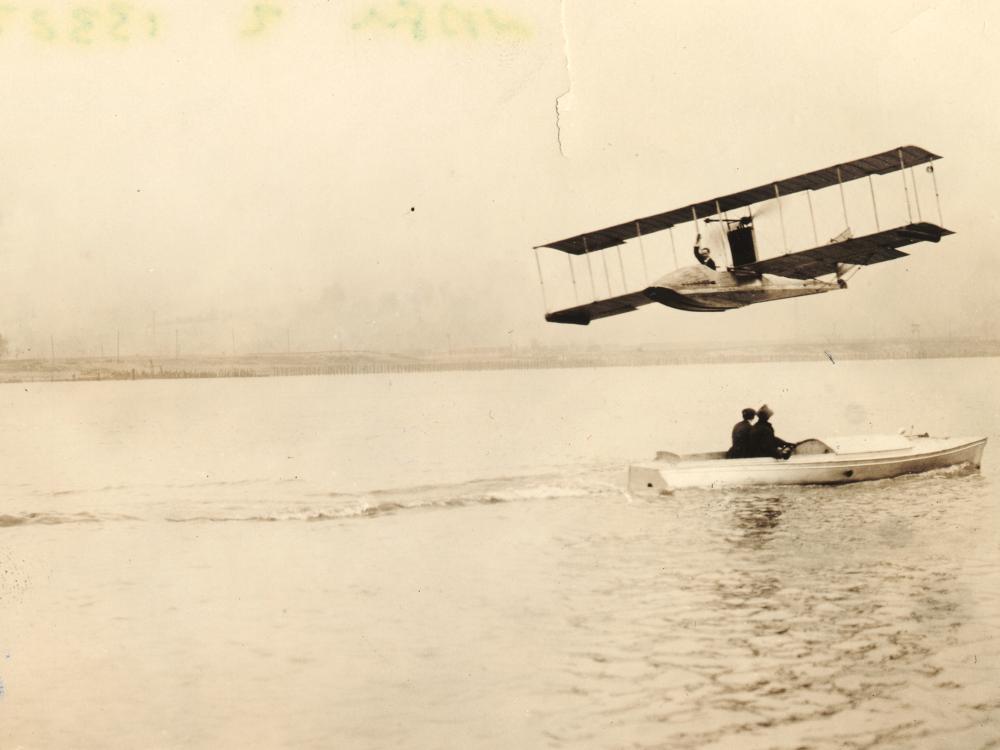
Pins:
x: 602, y: 308
x: 862, y: 251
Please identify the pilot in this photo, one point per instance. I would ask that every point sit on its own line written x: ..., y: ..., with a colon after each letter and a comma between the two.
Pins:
x: 702, y: 254
x: 741, y: 436
x: 763, y: 441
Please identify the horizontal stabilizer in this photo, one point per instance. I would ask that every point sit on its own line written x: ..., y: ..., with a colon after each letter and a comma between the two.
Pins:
x: 602, y: 308
x: 876, y: 164
x: 862, y: 251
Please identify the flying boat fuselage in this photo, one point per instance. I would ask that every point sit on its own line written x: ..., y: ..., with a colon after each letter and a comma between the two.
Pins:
x: 700, y: 289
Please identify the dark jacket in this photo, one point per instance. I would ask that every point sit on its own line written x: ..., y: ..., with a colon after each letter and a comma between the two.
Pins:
x: 706, y: 261
x: 741, y: 440
x: 763, y: 441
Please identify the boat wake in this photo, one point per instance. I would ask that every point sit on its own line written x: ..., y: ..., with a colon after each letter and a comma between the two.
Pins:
x: 280, y: 499
x: 334, y: 506
x: 52, y: 519
x: 272, y: 501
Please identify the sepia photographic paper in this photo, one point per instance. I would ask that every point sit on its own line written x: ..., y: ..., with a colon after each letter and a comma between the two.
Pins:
x: 495, y: 374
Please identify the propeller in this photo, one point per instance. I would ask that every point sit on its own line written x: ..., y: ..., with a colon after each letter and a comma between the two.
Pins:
x: 743, y: 220
x: 762, y: 209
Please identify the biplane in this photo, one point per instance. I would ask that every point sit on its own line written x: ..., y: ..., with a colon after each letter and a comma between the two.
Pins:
x: 744, y: 278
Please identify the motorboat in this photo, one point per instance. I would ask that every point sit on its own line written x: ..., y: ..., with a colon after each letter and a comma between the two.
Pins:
x: 835, y: 460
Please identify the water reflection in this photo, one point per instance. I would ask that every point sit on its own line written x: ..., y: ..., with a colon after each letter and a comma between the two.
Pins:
x: 757, y: 518
x: 730, y: 619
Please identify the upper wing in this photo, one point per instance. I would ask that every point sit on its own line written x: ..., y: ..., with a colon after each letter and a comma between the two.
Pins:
x: 872, y: 248
x: 602, y: 308
x: 883, y: 163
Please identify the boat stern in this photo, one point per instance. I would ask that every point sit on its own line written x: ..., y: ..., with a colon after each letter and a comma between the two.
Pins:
x: 646, y: 478
x: 977, y: 448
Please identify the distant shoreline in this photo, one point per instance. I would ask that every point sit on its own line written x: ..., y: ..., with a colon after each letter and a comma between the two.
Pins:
x: 363, y: 362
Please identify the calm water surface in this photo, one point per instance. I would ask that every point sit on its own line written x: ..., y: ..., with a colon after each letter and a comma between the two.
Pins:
x: 450, y: 560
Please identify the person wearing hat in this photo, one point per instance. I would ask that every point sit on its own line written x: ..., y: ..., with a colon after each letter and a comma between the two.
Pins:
x: 741, y: 436
x: 763, y: 441
x: 703, y: 255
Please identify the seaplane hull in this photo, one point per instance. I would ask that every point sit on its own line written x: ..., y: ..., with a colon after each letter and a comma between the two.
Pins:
x: 700, y: 289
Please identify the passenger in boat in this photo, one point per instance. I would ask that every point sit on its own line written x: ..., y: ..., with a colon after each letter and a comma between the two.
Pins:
x: 741, y: 436
x: 763, y: 441
x: 702, y: 254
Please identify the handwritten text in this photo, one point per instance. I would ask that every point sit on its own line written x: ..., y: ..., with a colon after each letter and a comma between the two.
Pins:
x: 81, y: 24
x: 422, y: 20
x: 263, y: 16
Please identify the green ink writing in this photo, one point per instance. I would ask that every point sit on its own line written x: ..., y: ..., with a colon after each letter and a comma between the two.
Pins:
x: 510, y: 27
x: 264, y: 15
x: 455, y: 21
x: 6, y: 11
x: 403, y: 13
x: 450, y: 19
x: 119, y: 14
x: 83, y: 26
x: 41, y: 26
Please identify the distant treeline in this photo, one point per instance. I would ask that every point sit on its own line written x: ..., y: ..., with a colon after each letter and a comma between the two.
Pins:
x: 368, y: 363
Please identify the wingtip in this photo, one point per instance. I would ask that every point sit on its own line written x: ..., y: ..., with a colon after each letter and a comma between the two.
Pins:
x: 572, y: 317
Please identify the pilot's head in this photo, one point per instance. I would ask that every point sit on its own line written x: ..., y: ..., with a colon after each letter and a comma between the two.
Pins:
x: 704, y: 252
x: 749, y: 414
x: 764, y: 413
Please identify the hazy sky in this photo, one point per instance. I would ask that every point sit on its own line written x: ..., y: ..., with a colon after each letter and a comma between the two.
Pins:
x: 375, y: 174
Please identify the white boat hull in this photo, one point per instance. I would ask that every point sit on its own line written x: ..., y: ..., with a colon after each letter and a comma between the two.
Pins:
x: 916, y: 455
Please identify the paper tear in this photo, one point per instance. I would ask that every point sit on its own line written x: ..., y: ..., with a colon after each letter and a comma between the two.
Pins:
x: 569, y: 76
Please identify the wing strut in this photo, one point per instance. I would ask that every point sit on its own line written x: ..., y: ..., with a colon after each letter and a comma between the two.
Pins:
x: 812, y: 216
x: 843, y: 200
x: 781, y: 215
x: 906, y: 190
x: 930, y: 168
x: 726, y: 250
x: 642, y: 251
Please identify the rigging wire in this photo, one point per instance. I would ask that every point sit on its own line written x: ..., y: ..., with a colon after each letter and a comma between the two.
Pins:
x: 572, y: 274
x: 871, y: 187
x: 590, y: 269
x: 541, y: 281
x: 854, y: 272
x: 916, y: 194
x: 621, y: 263
x: 607, y: 276
x: 812, y: 216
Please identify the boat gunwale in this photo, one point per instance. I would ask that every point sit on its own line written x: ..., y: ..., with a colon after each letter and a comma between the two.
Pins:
x: 820, y: 461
